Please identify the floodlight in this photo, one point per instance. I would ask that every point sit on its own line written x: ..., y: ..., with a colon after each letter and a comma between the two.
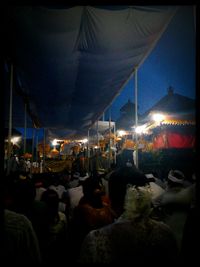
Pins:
x: 121, y: 132
x: 140, y: 129
x: 15, y: 139
x: 158, y: 117
x: 54, y: 142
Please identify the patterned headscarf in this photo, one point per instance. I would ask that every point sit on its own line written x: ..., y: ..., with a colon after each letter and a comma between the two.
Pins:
x: 137, y: 202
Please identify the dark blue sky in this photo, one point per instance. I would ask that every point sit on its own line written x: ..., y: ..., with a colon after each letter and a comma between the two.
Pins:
x: 171, y: 63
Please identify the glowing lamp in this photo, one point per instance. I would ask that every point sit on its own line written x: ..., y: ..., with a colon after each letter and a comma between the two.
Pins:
x: 158, y: 117
x: 121, y: 133
x: 15, y: 139
x: 140, y: 129
x: 54, y: 142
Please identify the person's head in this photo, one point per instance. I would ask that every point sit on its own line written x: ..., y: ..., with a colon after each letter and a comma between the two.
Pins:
x: 92, y: 190
x: 137, y: 204
x: 118, y: 182
x: 51, y: 199
x: 83, y: 176
x: 24, y: 190
x: 175, y: 178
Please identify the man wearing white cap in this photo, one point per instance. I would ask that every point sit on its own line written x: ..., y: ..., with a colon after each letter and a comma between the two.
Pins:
x: 176, y: 176
x: 174, y: 210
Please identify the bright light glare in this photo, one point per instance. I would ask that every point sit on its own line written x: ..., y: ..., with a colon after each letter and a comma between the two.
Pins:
x: 157, y: 117
x: 54, y: 142
x: 121, y: 133
x: 15, y: 139
x: 84, y: 140
x: 140, y: 129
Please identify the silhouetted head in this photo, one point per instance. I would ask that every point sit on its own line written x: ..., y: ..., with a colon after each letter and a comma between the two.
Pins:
x: 51, y: 198
x: 93, y: 190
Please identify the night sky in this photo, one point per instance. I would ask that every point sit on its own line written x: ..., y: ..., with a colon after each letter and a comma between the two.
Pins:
x: 171, y: 63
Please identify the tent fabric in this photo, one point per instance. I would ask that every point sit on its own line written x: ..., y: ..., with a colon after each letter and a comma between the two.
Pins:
x: 73, y: 62
x: 100, y: 127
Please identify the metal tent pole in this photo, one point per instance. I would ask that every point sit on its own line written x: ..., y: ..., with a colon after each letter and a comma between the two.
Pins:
x: 44, y: 149
x: 10, y: 112
x: 36, y: 156
x: 25, y: 126
x: 109, y: 138
x: 103, y: 117
x: 97, y: 135
x: 88, y: 151
x: 88, y: 144
x: 33, y: 143
x: 115, y: 152
x: 136, y: 117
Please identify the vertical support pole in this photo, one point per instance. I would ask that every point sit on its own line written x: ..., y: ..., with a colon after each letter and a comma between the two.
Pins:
x: 44, y: 149
x: 109, y: 138
x: 136, y: 117
x: 36, y: 157
x: 25, y: 126
x: 103, y: 117
x: 33, y: 143
x: 88, y: 151
x: 10, y: 112
x: 97, y: 135
x: 88, y: 144
x: 114, y: 144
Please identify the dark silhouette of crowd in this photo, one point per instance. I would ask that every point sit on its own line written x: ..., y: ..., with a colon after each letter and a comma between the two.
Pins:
x: 119, y: 217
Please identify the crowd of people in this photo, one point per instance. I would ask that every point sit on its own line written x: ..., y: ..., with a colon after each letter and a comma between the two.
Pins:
x: 120, y: 216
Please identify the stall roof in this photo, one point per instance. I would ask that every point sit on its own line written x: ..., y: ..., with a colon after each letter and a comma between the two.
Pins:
x: 173, y: 102
x: 177, y: 108
x: 71, y: 63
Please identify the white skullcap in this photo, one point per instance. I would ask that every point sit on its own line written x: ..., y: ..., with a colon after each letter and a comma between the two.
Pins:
x: 83, y: 178
x: 76, y: 175
x: 176, y: 176
x: 149, y: 175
